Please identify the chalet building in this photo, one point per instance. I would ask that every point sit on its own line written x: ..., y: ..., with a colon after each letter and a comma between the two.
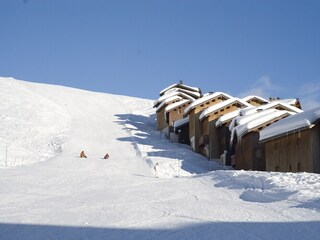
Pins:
x: 249, y: 153
x: 209, y: 139
x: 194, y: 111
x: 192, y: 91
x: 255, y: 100
x: 167, y: 100
x: 181, y: 130
x: 280, y: 105
x: 291, y: 101
x: 171, y: 95
x: 160, y: 109
x: 174, y: 112
x: 222, y: 128
x: 293, y: 144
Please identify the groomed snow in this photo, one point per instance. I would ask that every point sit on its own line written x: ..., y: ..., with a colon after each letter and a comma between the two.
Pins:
x: 149, y: 188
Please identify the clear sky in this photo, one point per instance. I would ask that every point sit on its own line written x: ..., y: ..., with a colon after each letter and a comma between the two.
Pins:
x: 139, y: 47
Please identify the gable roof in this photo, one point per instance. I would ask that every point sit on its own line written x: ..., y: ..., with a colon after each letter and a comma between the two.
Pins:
x: 179, y: 85
x: 186, y: 91
x: 220, y: 105
x: 227, y: 117
x: 170, y: 95
x: 293, y: 123
x: 176, y: 104
x: 239, y: 120
x: 260, y: 120
x: 205, y: 98
x: 273, y: 104
x: 248, y: 98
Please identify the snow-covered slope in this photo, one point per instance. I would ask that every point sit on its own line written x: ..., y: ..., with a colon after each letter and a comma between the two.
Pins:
x: 48, y: 192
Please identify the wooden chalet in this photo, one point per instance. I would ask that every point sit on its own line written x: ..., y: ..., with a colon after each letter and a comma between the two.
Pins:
x: 163, y: 102
x: 192, y: 91
x: 209, y: 139
x: 280, y: 105
x: 171, y: 95
x: 181, y: 130
x: 194, y: 111
x: 222, y: 128
x: 249, y: 153
x: 293, y: 144
x: 291, y: 101
x: 174, y: 112
x: 255, y: 100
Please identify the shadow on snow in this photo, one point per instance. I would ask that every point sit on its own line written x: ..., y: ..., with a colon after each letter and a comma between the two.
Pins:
x: 213, y: 230
x: 144, y: 133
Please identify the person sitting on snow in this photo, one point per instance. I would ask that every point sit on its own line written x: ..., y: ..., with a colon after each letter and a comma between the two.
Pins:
x: 83, y: 155
x: 106, y: 156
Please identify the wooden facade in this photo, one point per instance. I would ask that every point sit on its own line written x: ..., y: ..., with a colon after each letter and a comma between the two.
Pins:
x: 194, y: 113
x: 298, y: 151
x: 161, y: 114
x: 255, y: 100
x: 213, y: 148
x: 249, y: 152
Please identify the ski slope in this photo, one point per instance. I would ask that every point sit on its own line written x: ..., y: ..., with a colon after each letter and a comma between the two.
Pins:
x: 48, y: 192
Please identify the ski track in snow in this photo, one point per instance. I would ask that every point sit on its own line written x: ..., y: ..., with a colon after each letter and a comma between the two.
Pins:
x: 51, y: 193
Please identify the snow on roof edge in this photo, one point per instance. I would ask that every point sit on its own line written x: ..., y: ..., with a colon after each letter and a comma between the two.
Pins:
x: 293, y: 123
x: 205, y: 98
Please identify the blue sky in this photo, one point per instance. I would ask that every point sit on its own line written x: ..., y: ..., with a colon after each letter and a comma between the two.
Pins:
x: 139, y: 47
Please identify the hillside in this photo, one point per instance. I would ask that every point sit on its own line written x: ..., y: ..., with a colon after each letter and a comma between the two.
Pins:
x: 48, y: 192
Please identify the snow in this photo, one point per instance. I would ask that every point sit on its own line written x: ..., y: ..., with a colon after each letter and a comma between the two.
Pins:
x: 188, y: 92
x: 176, y: 104
x: 292, y: 123
x: 273, y: 104
x: 181, y: 122
x: 149, y: 188
x: 227, y: 117
x: 205, y: 98
x: 248, y: 98
x: 179, y: 85
x: 221, y: 105
x: 165, y: 98
x: 244, y: 128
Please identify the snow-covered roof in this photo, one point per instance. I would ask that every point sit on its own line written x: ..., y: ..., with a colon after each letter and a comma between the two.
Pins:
x: 180, y: 122
x: 191, y: 93
x: 179, y: 85
x: 168, y: 100
x: 220, y: 105
x: 169, y: 95
x: 247, y: 118
x: 227, y: 117
x: 291, y: 101
x: 248, y: 98
x: 272, y: 104
x: 298, y: 121
x: 205, y: 98
x: 245, y: 128
x: 176, y: 104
